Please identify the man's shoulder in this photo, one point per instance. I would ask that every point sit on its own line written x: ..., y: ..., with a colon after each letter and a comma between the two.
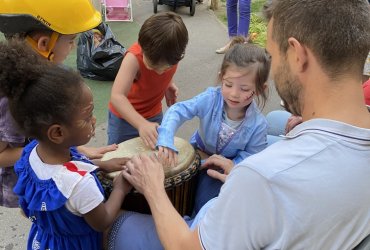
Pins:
x: 314, y: 141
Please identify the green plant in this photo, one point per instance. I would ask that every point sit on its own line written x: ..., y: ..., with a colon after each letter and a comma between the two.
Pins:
x: 258, y: 27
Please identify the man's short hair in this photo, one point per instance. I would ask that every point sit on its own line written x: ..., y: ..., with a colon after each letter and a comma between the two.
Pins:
x: 163, y: 38
x: 336, y: 31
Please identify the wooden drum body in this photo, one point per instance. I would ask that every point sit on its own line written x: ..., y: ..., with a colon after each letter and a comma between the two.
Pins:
x: 180, y: 181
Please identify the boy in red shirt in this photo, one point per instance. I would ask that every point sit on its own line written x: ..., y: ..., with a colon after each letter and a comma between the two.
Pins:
x: 145, y: 77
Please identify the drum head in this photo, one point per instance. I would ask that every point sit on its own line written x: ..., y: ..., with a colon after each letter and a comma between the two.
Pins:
x: 135, y: 146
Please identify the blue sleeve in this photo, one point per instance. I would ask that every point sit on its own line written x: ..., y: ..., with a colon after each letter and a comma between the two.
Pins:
x: 177, y: 114
x: 257, y: 142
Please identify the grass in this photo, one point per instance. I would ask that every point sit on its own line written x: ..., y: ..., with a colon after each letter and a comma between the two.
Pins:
x: 257, y: 24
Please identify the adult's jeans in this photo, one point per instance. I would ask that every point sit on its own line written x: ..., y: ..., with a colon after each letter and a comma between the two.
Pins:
x: 238, y: 23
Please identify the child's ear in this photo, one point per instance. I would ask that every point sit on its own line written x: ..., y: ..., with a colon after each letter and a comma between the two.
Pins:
x: 56, y: 133
x: 43, y: 43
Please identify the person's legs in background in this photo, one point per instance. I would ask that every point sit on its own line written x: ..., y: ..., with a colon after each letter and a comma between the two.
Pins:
x: 232, y: 17
x: 232, y: 23
x: 244, y: 17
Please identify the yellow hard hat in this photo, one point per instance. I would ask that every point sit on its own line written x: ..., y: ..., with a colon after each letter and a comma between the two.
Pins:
x: 62, y: 16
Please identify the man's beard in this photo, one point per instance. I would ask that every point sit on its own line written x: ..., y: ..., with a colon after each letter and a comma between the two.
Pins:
x: 289, y: 89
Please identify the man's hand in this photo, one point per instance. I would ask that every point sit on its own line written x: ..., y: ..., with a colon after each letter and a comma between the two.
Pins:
x: 171, y: 94
x: 218, y: 167
x: 145, y: 173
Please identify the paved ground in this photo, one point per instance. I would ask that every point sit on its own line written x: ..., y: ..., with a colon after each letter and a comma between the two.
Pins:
x: 196, y: 71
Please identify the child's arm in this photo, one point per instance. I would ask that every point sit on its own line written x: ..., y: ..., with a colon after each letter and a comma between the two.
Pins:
x: 96, y: 153
x: 171, y: 94
x: 9, y: 156
x: 177, y: 114
x: 102, y: 216
x: 111, y: 165
x: 120, y: 89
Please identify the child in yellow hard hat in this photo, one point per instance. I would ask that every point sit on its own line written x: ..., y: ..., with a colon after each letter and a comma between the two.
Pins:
x: 50, y: 28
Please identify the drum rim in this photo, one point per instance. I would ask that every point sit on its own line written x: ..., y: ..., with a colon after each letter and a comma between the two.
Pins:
x: 185, y: 175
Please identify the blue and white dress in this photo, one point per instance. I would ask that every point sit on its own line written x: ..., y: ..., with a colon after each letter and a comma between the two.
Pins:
x: 43, y: 202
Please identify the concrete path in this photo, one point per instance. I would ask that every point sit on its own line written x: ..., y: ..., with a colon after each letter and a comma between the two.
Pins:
x: 196, y: 71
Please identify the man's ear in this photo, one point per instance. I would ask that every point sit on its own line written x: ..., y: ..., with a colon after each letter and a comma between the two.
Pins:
x: 56, y: 133
x: 300, y: 59
x: 43, y: 43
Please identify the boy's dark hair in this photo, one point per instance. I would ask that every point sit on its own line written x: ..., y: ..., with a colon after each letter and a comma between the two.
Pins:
x: 40, y: 93
x: 163, y: 38
x: 243, y: 54
x: 336, y: 31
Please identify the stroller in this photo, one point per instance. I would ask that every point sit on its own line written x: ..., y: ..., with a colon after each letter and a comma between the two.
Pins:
x: 175, y: 4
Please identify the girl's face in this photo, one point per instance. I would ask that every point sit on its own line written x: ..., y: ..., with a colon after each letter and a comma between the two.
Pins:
x: 238, y: 87
x: 83, y: 125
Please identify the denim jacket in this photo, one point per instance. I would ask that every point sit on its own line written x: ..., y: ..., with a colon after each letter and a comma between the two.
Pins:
x: 249, y: 138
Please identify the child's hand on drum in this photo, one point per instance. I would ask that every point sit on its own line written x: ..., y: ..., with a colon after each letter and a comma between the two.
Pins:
x: 148, y: 133
x: 121, y: 183
x: 218, y: 167
x: 96, y: 153
x: 112, y: 165
x: 167, y: 156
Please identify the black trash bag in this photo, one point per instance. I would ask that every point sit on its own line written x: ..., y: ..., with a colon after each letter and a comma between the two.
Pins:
x: 99, y: 54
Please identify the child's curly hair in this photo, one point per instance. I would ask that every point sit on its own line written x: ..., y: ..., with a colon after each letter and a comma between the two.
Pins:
x: 39, y: 92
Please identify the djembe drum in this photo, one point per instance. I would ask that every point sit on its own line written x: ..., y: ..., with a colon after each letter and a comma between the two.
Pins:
x: 179, y: 182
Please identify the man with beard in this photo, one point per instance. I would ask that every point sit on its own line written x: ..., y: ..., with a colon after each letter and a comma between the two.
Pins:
x: 310, y: 190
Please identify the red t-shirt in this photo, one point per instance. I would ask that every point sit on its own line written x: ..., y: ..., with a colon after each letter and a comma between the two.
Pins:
x: 148, y: 90
x: 366, y: 87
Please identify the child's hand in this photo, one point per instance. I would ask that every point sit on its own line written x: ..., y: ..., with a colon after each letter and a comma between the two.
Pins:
x: 167, y: 156
x: 292, y: 122
x: 148, y: 133
x: 114, y: 164
x: 122, y: 184
x: 96, y: 153
x: 171, y: 94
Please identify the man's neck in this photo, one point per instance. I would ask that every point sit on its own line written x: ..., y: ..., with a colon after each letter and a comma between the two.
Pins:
x: 342, y: 101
